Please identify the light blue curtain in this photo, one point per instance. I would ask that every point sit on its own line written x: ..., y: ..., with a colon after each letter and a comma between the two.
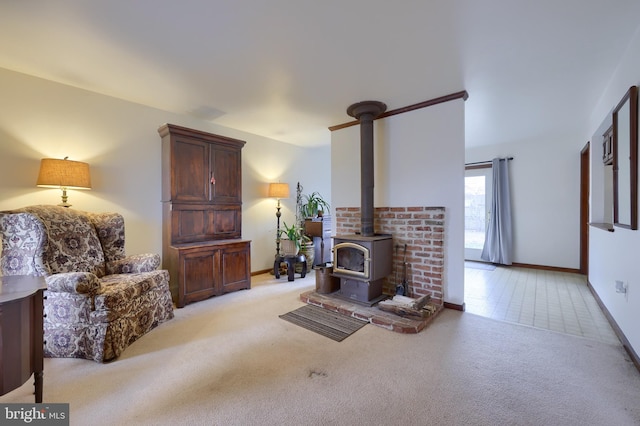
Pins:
x: 498, y: 244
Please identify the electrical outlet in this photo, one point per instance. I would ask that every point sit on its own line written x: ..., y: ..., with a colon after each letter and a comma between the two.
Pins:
x: 620, y: 287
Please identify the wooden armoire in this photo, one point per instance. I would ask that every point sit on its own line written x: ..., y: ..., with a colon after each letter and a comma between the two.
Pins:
x: 202, y: 214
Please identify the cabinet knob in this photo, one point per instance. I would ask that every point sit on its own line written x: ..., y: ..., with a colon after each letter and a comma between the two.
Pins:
x: 213, y: 179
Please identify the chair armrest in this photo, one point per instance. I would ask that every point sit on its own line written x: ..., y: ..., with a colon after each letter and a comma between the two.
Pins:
x: 73, y: 282
x: 135, y: 264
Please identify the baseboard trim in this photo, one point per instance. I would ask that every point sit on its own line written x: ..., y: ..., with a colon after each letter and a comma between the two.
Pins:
x: 545, y: 268
x: 454, y: 306
x: 260, y: 272
x: 625, y: 342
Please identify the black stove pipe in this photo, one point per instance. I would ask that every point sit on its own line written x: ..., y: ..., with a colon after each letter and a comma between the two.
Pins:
x: 366, y: 112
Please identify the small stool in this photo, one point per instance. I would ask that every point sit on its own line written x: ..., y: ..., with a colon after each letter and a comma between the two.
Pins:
x: 291, y: 263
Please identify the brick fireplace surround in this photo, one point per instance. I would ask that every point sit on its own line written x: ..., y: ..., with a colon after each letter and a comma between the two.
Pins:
x: 422, y: 229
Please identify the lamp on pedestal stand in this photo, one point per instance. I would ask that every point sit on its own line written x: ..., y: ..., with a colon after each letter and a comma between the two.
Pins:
x: 278, y: 191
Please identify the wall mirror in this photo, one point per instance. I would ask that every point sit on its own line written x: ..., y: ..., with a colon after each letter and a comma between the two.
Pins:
x: 625, y: 161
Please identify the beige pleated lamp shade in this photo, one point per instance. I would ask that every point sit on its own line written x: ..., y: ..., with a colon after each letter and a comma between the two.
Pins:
x: 279, y: 190
x: 55, y: 173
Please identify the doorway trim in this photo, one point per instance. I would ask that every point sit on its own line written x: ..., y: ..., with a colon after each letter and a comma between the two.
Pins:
x: 585, y: 172
x: 479, y: 169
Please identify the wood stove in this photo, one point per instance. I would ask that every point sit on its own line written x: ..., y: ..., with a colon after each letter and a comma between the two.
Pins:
x: 362, y: 263
x: 363, y: 260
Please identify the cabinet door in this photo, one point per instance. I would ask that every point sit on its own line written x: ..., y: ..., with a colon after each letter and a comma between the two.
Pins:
x: 225, y: 167
x: 236, y: 267
x: 198, y: 279
x: 190, y: 169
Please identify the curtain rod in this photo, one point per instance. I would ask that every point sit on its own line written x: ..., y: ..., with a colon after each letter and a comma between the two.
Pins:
x: 487, y: 162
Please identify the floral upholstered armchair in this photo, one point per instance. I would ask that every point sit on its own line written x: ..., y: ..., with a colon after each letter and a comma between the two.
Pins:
x: 98, y: 301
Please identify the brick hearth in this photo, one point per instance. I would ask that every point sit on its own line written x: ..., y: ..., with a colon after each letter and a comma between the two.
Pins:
x: 374, y: 315
x: 422, y: 229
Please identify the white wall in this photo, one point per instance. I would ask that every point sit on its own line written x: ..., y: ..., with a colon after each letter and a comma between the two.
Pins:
x: 419, y: 161
x: 614, y: 255
x: 120, y: 141
x: 545, y: 191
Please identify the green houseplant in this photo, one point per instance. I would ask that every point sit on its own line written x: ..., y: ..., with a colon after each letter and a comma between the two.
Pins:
x: 295, y: 234
x: 307, y: 208
x: 313, y: 204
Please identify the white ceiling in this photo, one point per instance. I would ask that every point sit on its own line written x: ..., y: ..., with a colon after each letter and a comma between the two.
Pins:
x: 288, y: 69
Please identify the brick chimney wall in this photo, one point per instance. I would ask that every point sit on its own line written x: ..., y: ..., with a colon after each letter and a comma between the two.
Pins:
x: 422, y: 229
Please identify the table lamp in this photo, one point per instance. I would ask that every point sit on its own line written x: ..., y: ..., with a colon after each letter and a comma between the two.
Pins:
x: 64, y: 174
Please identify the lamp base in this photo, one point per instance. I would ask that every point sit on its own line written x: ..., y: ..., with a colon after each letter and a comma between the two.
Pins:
x: 278, y: 214
x: 64, y: 199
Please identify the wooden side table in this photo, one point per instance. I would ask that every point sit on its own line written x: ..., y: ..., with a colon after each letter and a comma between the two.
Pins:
x: 291, y: 264
x: 319, y: 229
x: 21, y: 332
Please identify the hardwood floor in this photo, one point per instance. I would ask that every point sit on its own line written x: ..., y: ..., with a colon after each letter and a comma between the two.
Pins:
x: 556, y: 301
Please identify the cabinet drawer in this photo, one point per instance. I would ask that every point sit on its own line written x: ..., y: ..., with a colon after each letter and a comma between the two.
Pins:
x: 190, y: 223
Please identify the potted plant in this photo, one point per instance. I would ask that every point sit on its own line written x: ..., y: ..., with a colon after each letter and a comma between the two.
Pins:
x: 295, y: 235
x: 313, y: 205
x: 307, y: 208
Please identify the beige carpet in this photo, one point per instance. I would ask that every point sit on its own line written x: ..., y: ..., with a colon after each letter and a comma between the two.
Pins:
x: 232, y: 361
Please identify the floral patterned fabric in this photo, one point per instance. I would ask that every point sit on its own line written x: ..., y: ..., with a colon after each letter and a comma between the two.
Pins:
x: 134, y: 264
x: 99, y: 300
x: 22, y: 245
x: 110, y: 230
x: 73, y: 244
